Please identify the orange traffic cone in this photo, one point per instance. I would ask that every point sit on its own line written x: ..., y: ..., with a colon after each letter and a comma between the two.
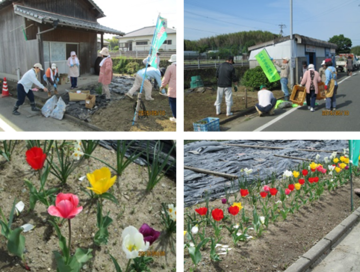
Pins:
x: 5, y: 91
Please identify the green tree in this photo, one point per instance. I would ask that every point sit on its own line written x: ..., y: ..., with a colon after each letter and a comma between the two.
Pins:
x: 356, y: 50
x: 343, y: 43
x: 113, y: 42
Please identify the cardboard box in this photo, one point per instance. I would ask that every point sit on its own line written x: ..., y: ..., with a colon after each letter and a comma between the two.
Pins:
x: 81, y: 96
x: 64, y: 79
x: 90, y: 101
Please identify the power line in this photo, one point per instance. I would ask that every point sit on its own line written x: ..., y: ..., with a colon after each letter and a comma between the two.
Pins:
x: 281, y: 29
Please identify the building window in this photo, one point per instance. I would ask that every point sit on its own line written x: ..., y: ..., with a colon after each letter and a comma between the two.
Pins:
x: 123, y: 45
x: 168, y: 42
x: 141, y: 43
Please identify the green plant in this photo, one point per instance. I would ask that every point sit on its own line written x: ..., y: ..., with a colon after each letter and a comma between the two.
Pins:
x: 157, y: 169
x: 15, y: 241
x: 8, y: 148
x: 213, y: 255
x: 102, y: 235
x: 88, y: 147
x: 45, y: 146
x: 255, y: 77
x: 132, y: 67
x: 98, y: 89
x: 195, y: 253
x: 168, y: 223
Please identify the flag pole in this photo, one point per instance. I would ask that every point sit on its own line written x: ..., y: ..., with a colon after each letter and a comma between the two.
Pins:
x: 351, y: 183
x: 136, y: 113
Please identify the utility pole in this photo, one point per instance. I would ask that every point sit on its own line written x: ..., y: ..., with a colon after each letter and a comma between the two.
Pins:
x: 281, y: 29
x: 291, y: 46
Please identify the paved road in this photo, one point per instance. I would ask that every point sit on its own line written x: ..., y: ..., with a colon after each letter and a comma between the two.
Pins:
x: 31, y: 121
x: 346, y: 118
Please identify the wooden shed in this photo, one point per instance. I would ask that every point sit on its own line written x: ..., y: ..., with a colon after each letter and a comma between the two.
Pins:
x: 45, y: 31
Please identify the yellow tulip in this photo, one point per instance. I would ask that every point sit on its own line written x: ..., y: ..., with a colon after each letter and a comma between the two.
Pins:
x: 185, y: 232
x: 342, y: 158
x: 313, y: 165
x: 336, y: 160
x: 296, y: 174
x: 297, y: 186
x: 100, y: 180
x: 238, y: 204
x: 342, y: 165
x: 337, y: 169
x: 347, y: 160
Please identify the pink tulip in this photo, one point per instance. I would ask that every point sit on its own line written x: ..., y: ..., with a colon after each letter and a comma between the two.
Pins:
x: 266, y: 188
x: 287, y: 191
x: 65, y: 206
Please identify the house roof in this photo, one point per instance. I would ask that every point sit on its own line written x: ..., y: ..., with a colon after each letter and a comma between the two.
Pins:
x: 300, y: 39
x: 146, y: 31
x: 41, y: 16
x: 101, y: 13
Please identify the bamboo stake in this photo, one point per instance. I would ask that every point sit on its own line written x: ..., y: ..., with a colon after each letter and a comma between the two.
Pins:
x: 273, y: 147
x: 211, y: 172
x: 294, y: 158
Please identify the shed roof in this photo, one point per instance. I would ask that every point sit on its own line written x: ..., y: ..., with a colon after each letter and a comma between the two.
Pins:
x: 300, y: 39
x: 41, y: 16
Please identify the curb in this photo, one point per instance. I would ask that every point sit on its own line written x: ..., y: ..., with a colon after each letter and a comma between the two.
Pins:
x: 325, y: 244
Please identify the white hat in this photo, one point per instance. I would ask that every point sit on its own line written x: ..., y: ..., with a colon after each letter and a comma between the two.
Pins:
x: 287, y: 59
x: 323, y: 62
x: 311, y: 67
x: 105, y: 51
x: 38, y: 65
x: 172, y: 58
x: 53, y: 66
x: 73, y: 53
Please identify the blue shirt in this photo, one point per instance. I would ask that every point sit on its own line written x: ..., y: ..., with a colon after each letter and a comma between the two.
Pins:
x: 329, y: 75
x: 151, y: 72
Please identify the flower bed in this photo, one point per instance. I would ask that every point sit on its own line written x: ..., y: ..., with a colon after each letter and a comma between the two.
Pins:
x: 83, y: 213
x: 267, y: 227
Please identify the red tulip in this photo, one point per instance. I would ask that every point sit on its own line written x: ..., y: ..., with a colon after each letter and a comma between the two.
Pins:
x: 65, y: 206
x: 244, y: 192
x: 263, y: 194
x: 273, y: 191
x: 311, y: 180
x: 234, y: 210
x: 217, y: 214
x: 305, y: 172
x: 316, y: 179
x: 291, y: 187
x: 201, y: 211
x: 287, y: 191
x: 302, y: 181
x: 35, y: 157
x: 313, y: 170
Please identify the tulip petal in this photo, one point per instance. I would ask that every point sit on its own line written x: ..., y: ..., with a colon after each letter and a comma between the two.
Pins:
x: 65, y: 207
x: 96, y: 191
x: 52, y: 210
x: 75, y: 212
x: 110, y: 182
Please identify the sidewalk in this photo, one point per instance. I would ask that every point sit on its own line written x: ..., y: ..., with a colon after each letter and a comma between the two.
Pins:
x: 345, y: 257
x: 338, y: 251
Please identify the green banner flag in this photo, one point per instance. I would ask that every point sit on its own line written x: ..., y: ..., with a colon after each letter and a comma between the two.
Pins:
x: 160, y: 36
x: 268, y: 67
x: 354, y: 146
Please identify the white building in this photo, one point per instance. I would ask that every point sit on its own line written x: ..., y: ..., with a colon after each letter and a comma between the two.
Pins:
x: 305, y: 49
x: 140, y: 40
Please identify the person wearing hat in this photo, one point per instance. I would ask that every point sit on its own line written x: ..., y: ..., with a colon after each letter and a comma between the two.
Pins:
x: 284, y: 73
x: 106, y: 72
x: 267, y: 101
x: 158, y: 60
x: 151, y: 73
x: 330, y: 74
x: 170, y: 80
x: 225, y: 75
x: 322, y: 71
x: 73, y: 63
x: 51, y: 77
x: 24, y: 88
x: 310, y: 80
x: 349, y: 65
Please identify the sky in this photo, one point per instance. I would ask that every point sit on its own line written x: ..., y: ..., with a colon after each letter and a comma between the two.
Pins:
x: 320, y: 19
x: 127, y: 16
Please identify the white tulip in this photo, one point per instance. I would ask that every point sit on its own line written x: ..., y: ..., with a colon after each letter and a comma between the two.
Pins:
x: 133, y: 242
x: 194, y: 229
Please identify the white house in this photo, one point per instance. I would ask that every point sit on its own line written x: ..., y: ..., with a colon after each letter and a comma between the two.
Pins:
x: 140, y: 40
x: 305, y: 49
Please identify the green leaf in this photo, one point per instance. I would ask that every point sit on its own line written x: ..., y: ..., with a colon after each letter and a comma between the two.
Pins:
x: 60, y: 263
x: 5, y: 229
x: 109, y: 197
x: 16, y: 242
x: 101, y: 236
x: 11, y: 218
x: 106, y: 221
x: 117, y: 266
x: 83, y: 255
x: 62, y: 242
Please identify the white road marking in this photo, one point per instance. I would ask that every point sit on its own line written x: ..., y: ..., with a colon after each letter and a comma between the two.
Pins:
x: 5, y: 126
x: 288, y: 112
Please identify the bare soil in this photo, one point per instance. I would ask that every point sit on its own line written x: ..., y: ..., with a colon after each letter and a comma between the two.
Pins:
x: 135, y: 208
x: 201, y: 105
x: 283, y: 242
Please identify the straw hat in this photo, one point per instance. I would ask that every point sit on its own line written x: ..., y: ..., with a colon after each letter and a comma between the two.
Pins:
x: 172, y: 58
x: 105, y: 51
x: 38, y: 65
